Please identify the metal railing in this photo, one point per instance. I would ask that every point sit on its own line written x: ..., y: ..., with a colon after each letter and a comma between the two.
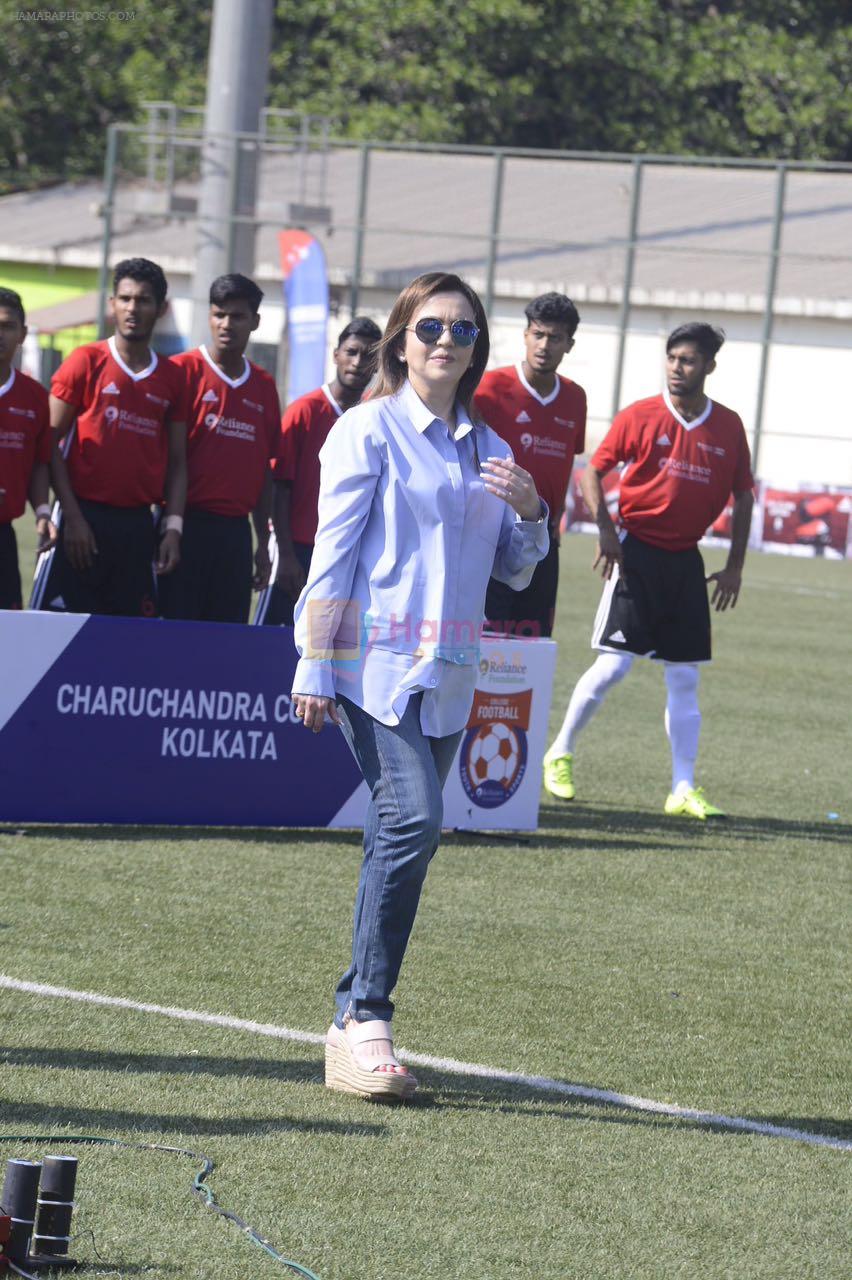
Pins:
x: 369, y: 213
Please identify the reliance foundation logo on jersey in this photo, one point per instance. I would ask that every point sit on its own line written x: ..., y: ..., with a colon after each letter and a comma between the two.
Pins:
x: 125, y: 420
x: 232, y: 427
x: 493, y: 755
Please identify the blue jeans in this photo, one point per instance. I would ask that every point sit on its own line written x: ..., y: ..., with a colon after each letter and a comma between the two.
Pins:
x: 405, y: 772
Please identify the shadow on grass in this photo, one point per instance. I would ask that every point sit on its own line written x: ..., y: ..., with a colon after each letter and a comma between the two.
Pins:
x: 601, y: 822
x: 163, y: 835
x: 587, y: 832
x: 519, y: 1099
x: 298, y: 1071
x: 99, y: 1120
x: 828, y: 1126
x: 440, y: 1091
x: 560, y: 827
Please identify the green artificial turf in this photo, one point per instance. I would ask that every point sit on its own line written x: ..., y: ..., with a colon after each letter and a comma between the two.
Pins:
x: 704, y: 965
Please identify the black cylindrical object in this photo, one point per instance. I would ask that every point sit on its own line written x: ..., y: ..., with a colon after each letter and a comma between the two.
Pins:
x: 55, y: 1204
x: 20, y: 1189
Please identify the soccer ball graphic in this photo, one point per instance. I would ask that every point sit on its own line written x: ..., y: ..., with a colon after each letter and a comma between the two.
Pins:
x: 494, y: 755
x: 492, y: 763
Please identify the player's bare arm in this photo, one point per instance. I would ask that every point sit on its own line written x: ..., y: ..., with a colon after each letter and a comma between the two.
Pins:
x: 729, y: 580
x: 608, y: 549
x: 39, y: 495
x: 169, y: 554
x: 260, y: 520
x: 79, y: 540
x: 290, y: 576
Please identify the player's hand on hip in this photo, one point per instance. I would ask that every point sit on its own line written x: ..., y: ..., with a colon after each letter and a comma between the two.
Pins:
x: 506, y: 480
x: 608, y: 553
x: 80, y: 545
x: 312, y: 711
x: 727, y: 589
x: 262, y: 568
x: 169, y: 557
x: 290, y: 576
x: 46, y: 531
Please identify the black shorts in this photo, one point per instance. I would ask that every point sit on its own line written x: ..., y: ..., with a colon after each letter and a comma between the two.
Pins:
x: 275, y: 607
x: 212, y: 583
x: 528, y: 612
x: 121, y: 581
x: 10, y: 574
x: 657, y: 608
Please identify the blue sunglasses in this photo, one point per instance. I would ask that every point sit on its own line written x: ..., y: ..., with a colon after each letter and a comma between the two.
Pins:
x: 429, y: 330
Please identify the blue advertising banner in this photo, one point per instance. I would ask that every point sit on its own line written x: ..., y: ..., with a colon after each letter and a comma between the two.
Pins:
x: 133, y: 721
x: 306, y: 296
x: 129, y: 720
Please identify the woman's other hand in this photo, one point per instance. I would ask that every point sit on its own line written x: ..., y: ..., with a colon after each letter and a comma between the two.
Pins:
x: 312, y: 711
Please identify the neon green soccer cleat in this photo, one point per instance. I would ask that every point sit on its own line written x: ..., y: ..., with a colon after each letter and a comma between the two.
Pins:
x: 559, y: 775
x: 692, y: 804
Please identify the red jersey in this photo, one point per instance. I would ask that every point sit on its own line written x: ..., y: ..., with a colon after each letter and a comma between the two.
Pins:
x: 679, y: 474
x: 233, y: 426
x: 118, y: 448
x: 24, y: 440
x: 545, y: 433
x: 304, y: 427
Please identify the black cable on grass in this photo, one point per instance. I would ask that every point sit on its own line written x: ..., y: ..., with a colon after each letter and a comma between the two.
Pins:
x: 199, y: 1185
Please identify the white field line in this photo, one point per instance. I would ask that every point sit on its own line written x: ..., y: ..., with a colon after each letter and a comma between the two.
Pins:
x: 448, y: 1065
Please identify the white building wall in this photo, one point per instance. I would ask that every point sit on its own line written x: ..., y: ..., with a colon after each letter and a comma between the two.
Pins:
x: 806, y: 394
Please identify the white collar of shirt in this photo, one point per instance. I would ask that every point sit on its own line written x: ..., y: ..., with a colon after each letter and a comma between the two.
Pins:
x: 696, y: 422
x: 421, y: 416
x: 137, y: 377
x: 232, y: 382
x: 549, y: 398
x: 8, y: 384
x: 326, y: 390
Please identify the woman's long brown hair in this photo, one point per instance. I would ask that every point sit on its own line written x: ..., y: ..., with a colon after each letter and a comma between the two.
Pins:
x: 393, y: 371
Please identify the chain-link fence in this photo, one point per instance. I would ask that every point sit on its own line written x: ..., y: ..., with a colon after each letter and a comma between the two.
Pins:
x: 640, y: 243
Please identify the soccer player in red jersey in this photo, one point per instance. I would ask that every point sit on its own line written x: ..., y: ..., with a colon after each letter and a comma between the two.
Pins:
x: 234, y: 424
x: 24, y: 450
x: 542, y: 417
x: 306, y: 423
x: 684, y: 457
x: 117, y: 410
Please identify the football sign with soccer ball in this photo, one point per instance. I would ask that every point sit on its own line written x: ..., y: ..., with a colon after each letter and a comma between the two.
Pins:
x: 493, y: 755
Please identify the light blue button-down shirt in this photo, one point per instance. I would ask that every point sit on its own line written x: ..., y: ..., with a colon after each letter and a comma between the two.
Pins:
x: 408, y: 537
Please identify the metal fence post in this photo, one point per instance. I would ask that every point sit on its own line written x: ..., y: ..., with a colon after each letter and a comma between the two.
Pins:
x: 496, y: 209
x: 360, y: 229
x: 629, y: 264
x: 106, y: 214
x: 768, y: 310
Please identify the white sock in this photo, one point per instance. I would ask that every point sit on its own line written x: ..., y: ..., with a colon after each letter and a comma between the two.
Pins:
x: 683, y: 722
x: 589, y: 692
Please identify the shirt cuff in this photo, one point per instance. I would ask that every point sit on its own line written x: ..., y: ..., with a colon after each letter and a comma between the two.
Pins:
x: 314, y: 678
x: 543, y: 516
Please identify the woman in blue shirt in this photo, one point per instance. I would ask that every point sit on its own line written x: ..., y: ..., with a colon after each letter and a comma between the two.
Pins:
x: 418, y: 507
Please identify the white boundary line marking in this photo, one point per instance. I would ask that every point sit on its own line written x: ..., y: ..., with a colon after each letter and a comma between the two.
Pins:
x: 449, y: 1065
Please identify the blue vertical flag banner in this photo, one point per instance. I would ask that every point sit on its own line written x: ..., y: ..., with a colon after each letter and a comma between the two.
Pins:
x: 306, y: 297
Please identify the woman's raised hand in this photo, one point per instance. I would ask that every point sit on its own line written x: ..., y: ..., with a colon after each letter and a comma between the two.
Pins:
x: 506, y: 480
